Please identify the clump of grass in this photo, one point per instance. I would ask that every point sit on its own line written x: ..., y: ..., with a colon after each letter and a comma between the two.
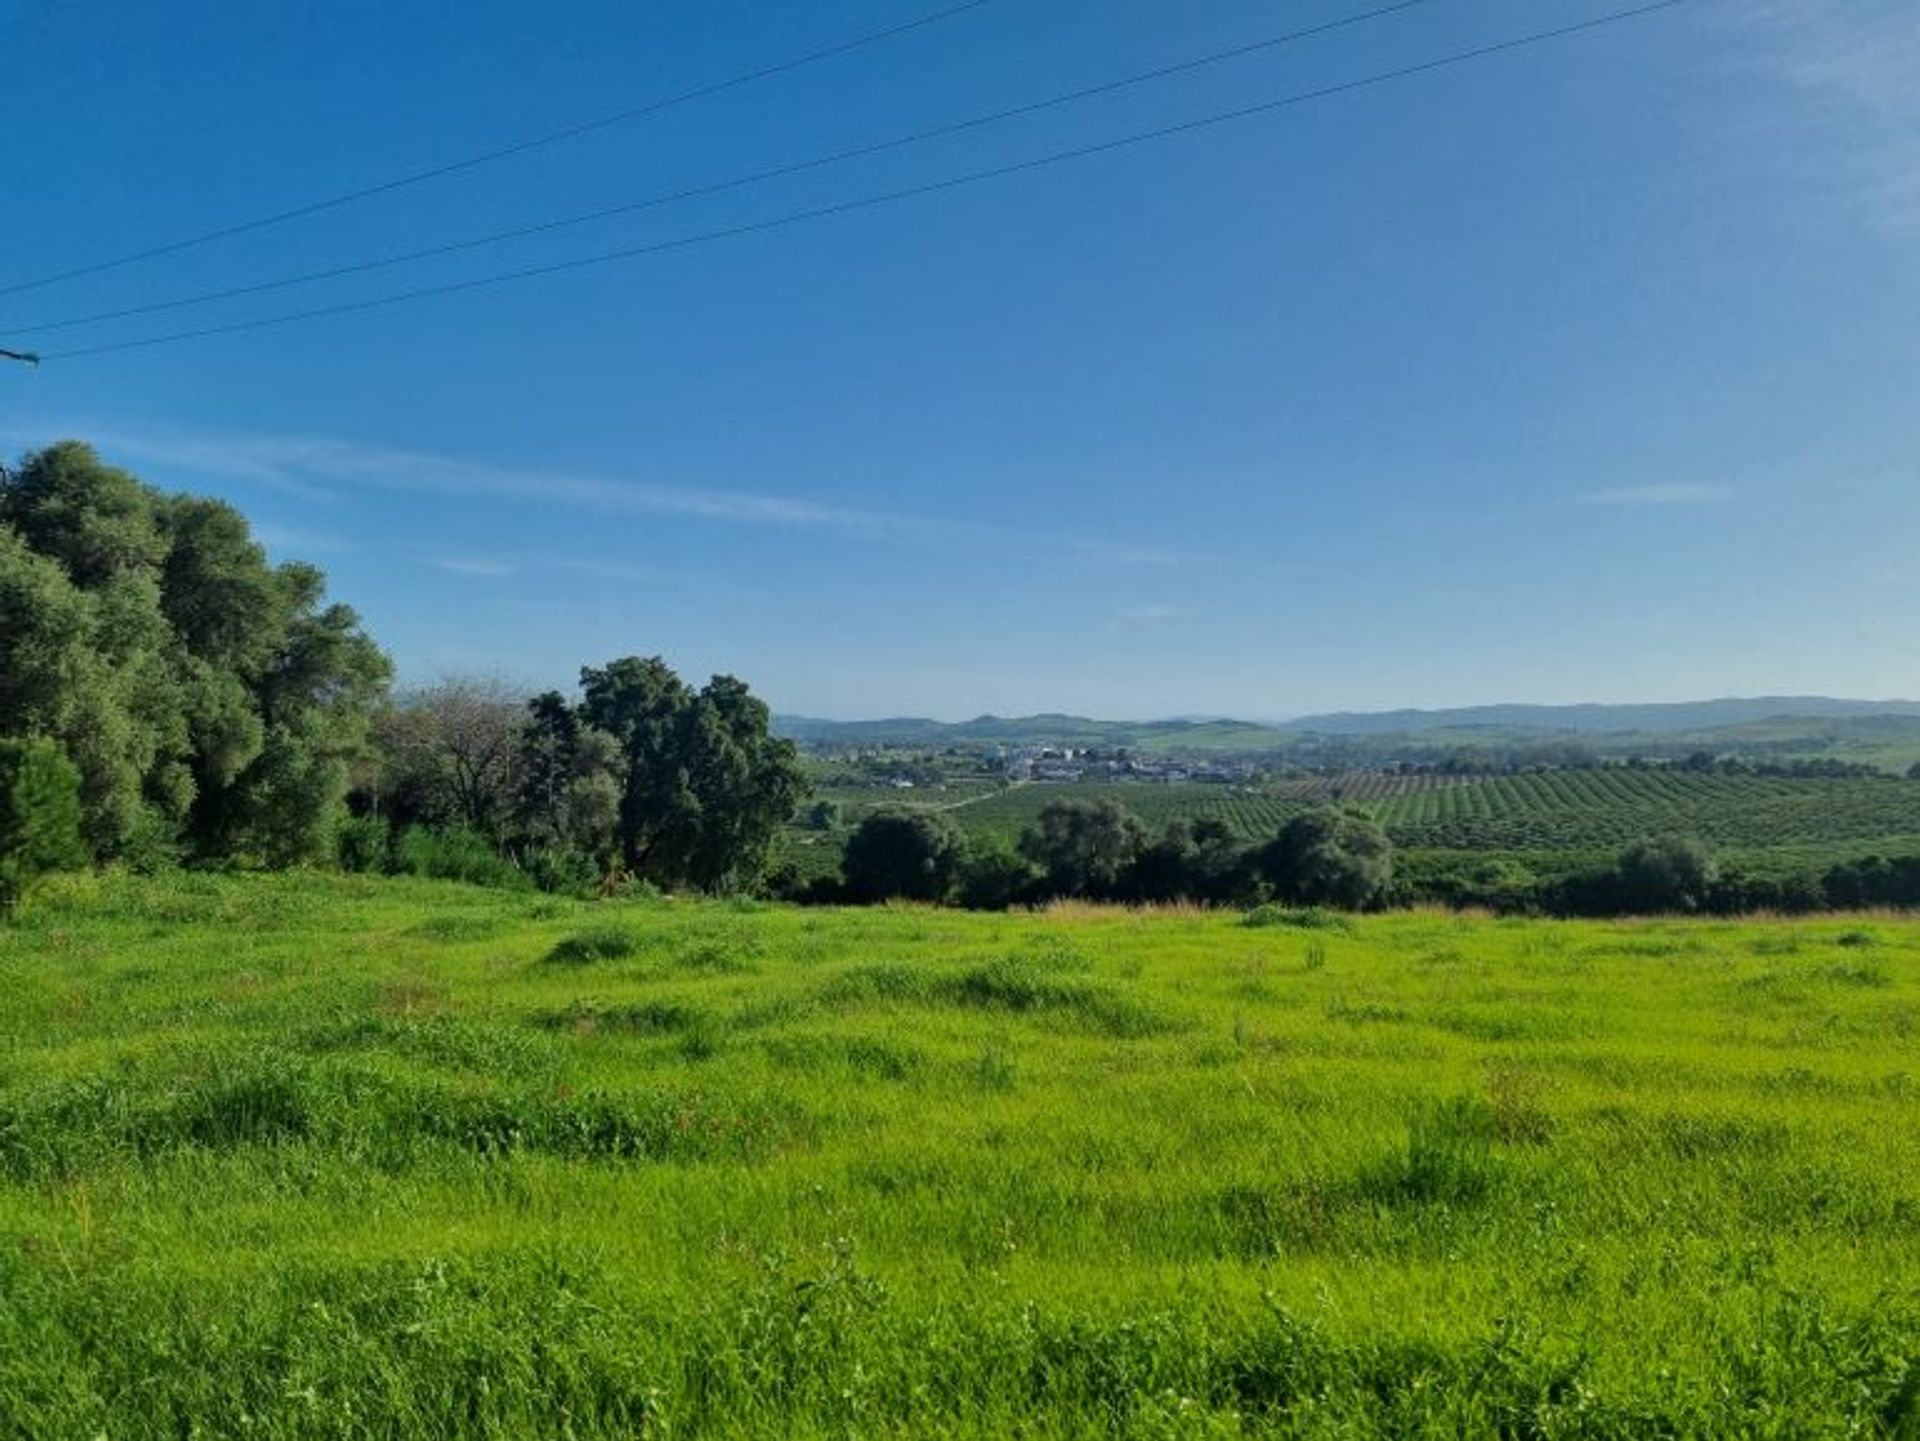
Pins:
x: 1514, y: 1099
x: 1363, y: 1012
x: 1701, y: 1137
x: 638, y: 1018
x: 881, y: 982
x: 714, y: 959
x: 453, y: 928
x: 599, y: 943
x: 1016, y: 984
x: 1447, y: 1159
x: 703, y: 1038
x: 994, y: 1068
x: 1862, y: 971
x: 873, y: 1057
x: 1264, y: 1221
x: 1858, y: 936
x: 1303, y: 918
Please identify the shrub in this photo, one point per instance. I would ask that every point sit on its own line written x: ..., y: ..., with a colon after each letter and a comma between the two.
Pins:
x: 365, y: 845
x: 452, y: 854
x: 39, y: 816
x: 1304, y: 918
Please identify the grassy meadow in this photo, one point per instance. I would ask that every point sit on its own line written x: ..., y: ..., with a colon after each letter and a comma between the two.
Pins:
x: 327, y: 1156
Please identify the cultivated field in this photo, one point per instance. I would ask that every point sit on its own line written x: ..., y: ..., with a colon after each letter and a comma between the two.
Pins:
x: 323, y: 1156
x: 1552, y: 819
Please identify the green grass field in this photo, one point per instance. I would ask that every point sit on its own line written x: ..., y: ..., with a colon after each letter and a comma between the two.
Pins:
x: 323, y: 1156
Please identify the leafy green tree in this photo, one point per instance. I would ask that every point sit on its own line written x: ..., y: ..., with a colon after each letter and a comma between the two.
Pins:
x: 1329, y: 857
x: 1084, y: 847
x: 704, y: 784
x: 1664, y: 873
x: 639, y: 703
x: 993, y: 878
x: 39, y: 816
x: 1197, y: 860
x: 570, y: 787
x: 206, y: 698
x: 910, y: 855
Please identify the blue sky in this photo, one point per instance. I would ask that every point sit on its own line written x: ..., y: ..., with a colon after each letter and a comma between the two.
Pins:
x: 1585, y: 372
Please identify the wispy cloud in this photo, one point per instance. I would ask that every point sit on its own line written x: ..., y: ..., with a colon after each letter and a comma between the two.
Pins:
x: 323, y: 466
x: 1856, y: 64
x: 1653, y: 495
x: 475, y: 567
x: 323, y: 469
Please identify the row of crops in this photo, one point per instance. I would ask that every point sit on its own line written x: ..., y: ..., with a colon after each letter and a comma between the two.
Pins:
x: 1568, y: 810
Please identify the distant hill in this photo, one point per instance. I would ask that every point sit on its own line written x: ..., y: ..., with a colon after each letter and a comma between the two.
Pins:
x: 1676, y: 716
x: 1034, y: 730
x: 1816, y: 724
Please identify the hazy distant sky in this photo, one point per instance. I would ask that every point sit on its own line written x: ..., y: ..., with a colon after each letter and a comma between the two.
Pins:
x: 1587, y: 372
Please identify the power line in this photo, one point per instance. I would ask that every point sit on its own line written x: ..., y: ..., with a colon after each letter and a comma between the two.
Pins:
x: 521, y: 147
x: 1058, y: 157
x: 897, y: 142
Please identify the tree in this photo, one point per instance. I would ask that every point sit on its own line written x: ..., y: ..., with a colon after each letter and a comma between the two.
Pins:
x: 993, y: 878
x: 569, y: 780
x: 206, y: 698
x: 1665, y: 873
x: 1329, y: 857
x: 452, y: 754
x: 1197, y: 860
x: 1084, y: 847
x: 1913, y: 771
x: 39, y: 816
x: 911, y: 855
x: 704, y: 785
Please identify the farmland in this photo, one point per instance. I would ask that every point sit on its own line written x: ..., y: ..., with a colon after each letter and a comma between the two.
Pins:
x: 1552, y: 818
x: 310, y: 1155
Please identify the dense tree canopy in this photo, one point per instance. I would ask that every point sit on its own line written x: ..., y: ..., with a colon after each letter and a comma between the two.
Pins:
x: 1329, y: 857
x: 912, y: 855
x: 1084, y: 847
x: 1665, y: 873
x: 703, y: 782
x: 210, y: 701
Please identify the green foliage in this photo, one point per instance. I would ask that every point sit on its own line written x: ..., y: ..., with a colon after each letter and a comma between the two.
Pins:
x: 39, y: 817
x: 993, y: 878
x: 913, y: 855
x: 453, y: 853
x: 1329, y: 857
x: 1304, y: 918
x: 1667, y: 873
x: 208, y: 700
x: 704, y: 783
x: 1084, y: 847
x: 365, y: 845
